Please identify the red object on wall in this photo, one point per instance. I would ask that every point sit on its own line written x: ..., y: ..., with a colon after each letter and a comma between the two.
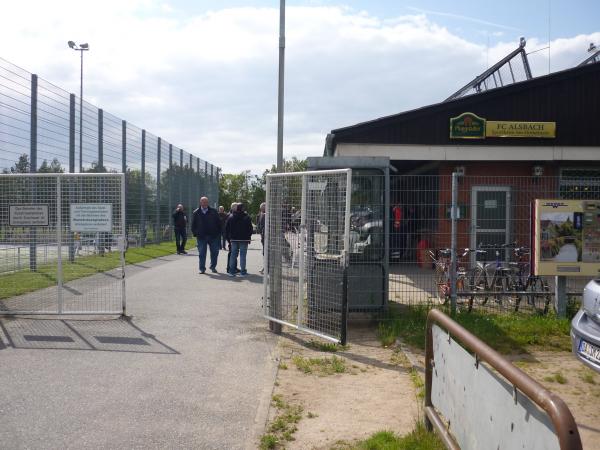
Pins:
x: 422, y: 247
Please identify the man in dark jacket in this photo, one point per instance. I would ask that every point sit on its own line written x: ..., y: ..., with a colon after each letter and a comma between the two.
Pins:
x: 180, y: 227
x: 206, y: 228
x: 238, y: 230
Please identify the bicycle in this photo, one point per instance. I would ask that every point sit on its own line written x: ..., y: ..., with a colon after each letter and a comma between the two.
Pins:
x: 495, y: 284
x: 442, y: 277
x: 525, y: 281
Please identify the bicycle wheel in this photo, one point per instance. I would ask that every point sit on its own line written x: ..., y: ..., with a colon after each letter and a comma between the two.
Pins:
x: 512, y: 285
x: 478, y: 285
x: 498, y: 287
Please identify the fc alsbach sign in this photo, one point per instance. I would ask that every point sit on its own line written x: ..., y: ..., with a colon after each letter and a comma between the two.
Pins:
x: 471, y: 126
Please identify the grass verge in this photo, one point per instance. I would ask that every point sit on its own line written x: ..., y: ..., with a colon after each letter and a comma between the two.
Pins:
x: 320, y: 366
x: 329, y: 347
x: 508, y: 333
x: 418, y: 439
x: 24, y: 281
x: 283, y: 427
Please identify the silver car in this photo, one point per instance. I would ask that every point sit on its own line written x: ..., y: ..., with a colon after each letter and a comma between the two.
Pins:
x: 585, y: 327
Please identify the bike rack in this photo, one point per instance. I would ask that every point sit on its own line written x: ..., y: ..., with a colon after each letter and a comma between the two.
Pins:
x: 562, y: 419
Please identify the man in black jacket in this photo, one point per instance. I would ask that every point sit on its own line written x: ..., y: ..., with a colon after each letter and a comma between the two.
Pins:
x: 206, y: 228
x: 238, y: 231
x: 180, y: 225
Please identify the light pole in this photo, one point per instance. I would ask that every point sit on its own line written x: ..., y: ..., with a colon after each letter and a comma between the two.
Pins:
x: 80, y: 48
x: 280, y: 86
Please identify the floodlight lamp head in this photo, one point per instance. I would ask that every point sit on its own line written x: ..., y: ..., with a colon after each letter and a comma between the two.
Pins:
x: 71, y: 44
x: 592, y: 48
x: 85, y: 46
x: 522, y: 42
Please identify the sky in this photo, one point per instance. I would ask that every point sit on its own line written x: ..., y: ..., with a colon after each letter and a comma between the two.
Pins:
x: 203, y: 74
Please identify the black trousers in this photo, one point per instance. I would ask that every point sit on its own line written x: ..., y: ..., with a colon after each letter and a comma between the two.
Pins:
x: 180, y: 239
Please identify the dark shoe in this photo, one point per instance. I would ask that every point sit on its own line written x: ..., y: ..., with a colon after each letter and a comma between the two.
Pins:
x: 213, y: 270
x: 237, y: 270
x: 184, y: 252
x: 202, y: 271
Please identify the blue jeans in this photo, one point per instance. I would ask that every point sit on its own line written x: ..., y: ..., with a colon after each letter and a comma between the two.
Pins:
x: 213, y: 243
x: 180, y: 239
x: 242, y: 249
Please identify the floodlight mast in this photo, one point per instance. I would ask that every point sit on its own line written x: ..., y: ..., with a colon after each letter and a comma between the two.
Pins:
x: 80, y: 48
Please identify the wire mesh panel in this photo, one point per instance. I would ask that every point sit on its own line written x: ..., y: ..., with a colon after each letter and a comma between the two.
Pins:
x: 306, y: 238
x: 493, y: 239
x: 61, y: 244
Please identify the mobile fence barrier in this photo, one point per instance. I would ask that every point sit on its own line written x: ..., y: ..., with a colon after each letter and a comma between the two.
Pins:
x: 71, y: 234
x: 306, y: 251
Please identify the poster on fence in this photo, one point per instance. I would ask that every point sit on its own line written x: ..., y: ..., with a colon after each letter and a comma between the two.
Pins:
x: 567, y: 237
x: 91, y: 217
x: 33, y: 215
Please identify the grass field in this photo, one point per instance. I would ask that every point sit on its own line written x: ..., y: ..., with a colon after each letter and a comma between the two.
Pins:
x: 25, y: 281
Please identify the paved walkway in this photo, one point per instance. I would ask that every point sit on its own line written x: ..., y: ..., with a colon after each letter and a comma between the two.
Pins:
x: 192, y: 369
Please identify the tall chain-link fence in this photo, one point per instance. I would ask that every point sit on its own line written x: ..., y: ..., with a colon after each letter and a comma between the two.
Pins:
x: 62, y: 243
x: 307, y: 229
x: 40, y: 132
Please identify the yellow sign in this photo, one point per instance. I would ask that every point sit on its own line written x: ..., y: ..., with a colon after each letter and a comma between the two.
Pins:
x: 567, y: 237
x: 499, y: 128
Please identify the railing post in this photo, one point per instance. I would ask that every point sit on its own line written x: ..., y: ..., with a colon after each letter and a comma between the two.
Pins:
x: 158, y: 236
x: 72, y: 133
x: 180, y: 177
x: 33, y: 168
x: 100, y: 139
x: 190, y: 179
x: 124, y: 171
x: 143, y: 193
x: 453, y: 257
x: 71, y: 165
x: 169, y: 181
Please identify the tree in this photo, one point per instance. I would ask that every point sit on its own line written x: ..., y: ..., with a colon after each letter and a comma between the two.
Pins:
x: 53, y: 167
x: 22, y: 165
x: 251, y: 189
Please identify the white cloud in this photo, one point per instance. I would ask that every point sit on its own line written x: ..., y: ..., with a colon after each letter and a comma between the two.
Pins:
x: 208, y: 82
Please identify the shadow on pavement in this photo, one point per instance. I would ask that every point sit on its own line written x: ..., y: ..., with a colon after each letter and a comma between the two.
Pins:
x: 114, y: 335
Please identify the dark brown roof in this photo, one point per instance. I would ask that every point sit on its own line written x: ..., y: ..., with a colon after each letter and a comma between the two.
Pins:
x: 571, y: 98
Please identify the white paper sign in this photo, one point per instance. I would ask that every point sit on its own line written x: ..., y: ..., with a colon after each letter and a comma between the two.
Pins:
x: 28, y: 215
x: 91, y: 217
x: 490, y: 204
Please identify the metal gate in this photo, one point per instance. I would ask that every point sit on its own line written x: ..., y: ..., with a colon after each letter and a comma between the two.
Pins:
x: 307, y: 251
x: 62, y: 243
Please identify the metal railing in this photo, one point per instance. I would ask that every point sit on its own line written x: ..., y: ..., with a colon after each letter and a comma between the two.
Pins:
x: 562, y: 420
x: 39, y: 131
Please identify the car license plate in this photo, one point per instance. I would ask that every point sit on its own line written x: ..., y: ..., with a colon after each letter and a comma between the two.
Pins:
x: 589, y: 351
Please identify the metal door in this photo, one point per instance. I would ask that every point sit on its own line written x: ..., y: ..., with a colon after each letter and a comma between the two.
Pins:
x: 306, y: 251
x: 490, y: 215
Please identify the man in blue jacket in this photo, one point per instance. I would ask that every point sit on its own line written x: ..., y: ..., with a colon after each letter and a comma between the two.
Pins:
x: 206, y: 228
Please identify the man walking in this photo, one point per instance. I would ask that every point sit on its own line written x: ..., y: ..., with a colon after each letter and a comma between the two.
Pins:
x: 238, y: 230
x: 180, y: 227
x: 206, y: 228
